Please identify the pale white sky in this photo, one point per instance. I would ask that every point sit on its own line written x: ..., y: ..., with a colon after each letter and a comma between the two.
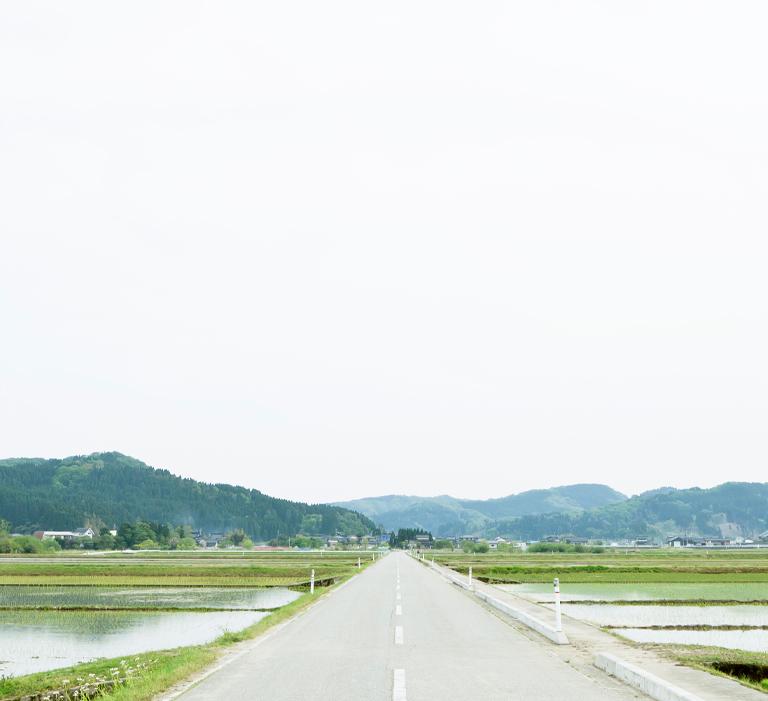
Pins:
x: 341, y: 249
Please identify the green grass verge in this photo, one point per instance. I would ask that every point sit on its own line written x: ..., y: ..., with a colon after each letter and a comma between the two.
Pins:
x: 161, y: 665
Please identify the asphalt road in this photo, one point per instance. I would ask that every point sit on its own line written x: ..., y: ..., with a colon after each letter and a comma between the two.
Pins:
x: 426, y: 640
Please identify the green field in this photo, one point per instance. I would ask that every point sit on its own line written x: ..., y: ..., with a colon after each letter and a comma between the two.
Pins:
x: 235, y: 570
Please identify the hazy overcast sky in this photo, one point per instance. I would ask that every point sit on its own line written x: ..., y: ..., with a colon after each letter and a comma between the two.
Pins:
x: 339, y: 249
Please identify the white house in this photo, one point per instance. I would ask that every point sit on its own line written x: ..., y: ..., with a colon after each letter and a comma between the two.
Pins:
x: 65, y: 535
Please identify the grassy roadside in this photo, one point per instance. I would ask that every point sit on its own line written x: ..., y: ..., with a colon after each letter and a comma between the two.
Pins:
x: 748, y: 668
x: 157, y: 671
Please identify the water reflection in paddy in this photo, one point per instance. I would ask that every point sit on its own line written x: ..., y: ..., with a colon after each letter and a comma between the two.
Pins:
x: 35, y: 641
x: 640, y: 616
x: 752, y: 640
x: 145, y: 597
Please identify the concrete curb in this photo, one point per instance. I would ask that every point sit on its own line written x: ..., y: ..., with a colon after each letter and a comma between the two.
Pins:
x: 526, y: 619
x: 453, y: 580
x: 646, y: 682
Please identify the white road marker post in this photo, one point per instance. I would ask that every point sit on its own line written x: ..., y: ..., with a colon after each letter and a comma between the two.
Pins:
x: 358, y: 563
x: 558, y: 618
x: 470, y: 576
x: 312, y: 583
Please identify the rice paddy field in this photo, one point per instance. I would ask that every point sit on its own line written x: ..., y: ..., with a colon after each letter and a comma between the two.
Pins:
x: 616, y: 567
x: 66, y: 610
x: 187, y: 569
x: 708, y: 608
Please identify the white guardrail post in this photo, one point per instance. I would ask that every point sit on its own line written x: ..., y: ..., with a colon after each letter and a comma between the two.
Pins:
x: 469, y: 579
x: 558, y: 617
x: 312, y: 583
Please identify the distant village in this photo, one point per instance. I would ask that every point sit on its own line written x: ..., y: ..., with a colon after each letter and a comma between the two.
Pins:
x: 421, y: 540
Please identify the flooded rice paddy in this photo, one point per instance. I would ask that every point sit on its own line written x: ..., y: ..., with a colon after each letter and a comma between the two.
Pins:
x: 676, y: 591
x: 668, y: 615
x: 751, y: 640
x: 69, y: 597
x: 702, y: 613
x: 48, y: 627
x: 36, y: 641
x: 60, y: 611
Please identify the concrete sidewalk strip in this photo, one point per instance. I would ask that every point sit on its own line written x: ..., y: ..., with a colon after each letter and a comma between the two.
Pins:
x: 556, y: 636
x: 648, y: 683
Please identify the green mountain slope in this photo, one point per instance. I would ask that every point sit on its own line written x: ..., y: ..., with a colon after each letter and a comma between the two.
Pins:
x: 730, y: 509
x: 111, y: 488
x: 445, y: 515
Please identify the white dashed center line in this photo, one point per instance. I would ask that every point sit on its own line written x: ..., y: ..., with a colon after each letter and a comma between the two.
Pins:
x: 399, y: 596
x: 398, y: 686
x: 398, y: 610
x: 398, y: 635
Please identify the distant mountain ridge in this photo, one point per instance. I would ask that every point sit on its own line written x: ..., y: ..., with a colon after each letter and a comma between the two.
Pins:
x: 446, y: 515
x: 732, y: 509
x: 110, y: 488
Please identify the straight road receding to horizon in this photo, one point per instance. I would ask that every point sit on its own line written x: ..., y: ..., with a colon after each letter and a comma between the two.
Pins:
x: 400, y: 632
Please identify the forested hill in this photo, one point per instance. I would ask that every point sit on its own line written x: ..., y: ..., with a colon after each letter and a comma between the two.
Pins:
x: 110, y: 488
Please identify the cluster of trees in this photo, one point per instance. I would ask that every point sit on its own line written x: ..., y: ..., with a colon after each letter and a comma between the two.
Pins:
x: 108, y: 488
x: 564, y: 548
x: 404, y: 535
x: 236, y: 538
x: 23, y: 543
x: 479, y: 547
x: 298, y: 541
x: 140, y: 535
